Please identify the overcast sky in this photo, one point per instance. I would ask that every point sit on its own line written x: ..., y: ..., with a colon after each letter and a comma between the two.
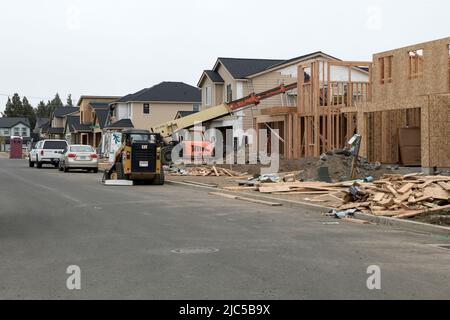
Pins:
x: 108, y: 47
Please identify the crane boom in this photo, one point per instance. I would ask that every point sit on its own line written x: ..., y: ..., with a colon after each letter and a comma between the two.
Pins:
x: 167, y: 129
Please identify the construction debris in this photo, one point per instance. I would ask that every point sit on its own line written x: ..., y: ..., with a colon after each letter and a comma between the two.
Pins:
x: 203, y: 171
x: 394, y: 195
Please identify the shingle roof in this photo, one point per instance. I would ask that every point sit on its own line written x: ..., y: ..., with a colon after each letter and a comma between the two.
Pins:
x: 6, y: 122
x: 183, y: 114
x: 124, y: 123
x: 241, y: 68
x: 41, y: 121
x: 214, y: 76
x: 165, y: 91
x: 64, y: 111
x: 102, y: 116
x: 55, y: 130
x: 99, y: 105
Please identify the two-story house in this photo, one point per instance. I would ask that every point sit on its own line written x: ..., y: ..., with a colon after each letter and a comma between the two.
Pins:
x: 88, y: 132
x: 58, y: 121
x: 153, y: 106
x: 232, y: 78
x: 42, y: 124
x: 407, y: 120
x: 17, y: 127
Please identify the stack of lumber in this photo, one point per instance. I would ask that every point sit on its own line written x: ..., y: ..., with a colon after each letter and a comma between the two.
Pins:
x: 394, y: 195
x: 402, y: 196
x: 203, y: 171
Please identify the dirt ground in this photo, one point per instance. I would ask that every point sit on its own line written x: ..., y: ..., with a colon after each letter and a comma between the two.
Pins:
x: 339, y: 168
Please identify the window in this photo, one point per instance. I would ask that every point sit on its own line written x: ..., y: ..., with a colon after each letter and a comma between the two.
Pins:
x: 196, y: 107
x: 24, y: 132
x: 415, y: 64
x: 208, y: 99
x: 16, y: 131
x: 229, y: 93
x: 6, y: 132
x: 385, y: 64
x: 146, y: 109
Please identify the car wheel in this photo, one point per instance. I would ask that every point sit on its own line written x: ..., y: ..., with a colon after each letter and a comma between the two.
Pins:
x: 60, y: 168
x: 95, y: 170
x: 65, y: 168
x: 38, y: 164
x: 30, y: 163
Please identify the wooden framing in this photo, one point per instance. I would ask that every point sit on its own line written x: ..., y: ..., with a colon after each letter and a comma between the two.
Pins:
x: 326, y: 104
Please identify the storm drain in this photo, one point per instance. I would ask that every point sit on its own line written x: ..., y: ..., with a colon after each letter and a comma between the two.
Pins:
x: 195, y: 250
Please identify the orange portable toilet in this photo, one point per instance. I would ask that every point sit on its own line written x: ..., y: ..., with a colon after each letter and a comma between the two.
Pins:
x: 15, y: 148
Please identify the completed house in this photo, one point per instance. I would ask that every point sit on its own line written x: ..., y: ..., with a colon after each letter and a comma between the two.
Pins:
x: 153, y: 106
x: 58, y: 121
x: 42, y: 124
x: 13, y: 127
x: 89, y: 133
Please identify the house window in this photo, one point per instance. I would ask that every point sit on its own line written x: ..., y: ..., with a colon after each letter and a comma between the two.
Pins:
x: 208, y: 99
x: 385, y: 64
x: 24, y: 132
x: 196, y: 107
x: 146, y: 109
x: 229, y: 93
x: 6, y: 132
x: 415, y: 64
x: 16, y: 131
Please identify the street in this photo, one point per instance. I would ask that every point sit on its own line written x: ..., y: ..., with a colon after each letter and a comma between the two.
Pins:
x: 169, y: 242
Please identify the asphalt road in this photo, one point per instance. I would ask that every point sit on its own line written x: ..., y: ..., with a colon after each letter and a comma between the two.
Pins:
x: 153, y: 242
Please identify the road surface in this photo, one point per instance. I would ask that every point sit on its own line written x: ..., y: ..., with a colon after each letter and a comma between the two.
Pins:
x: 153, y: 242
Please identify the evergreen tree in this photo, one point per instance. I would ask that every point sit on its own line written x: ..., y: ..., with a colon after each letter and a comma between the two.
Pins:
x: 42, y: 110
x: 69, y: 101
x: 14, y: 107
x: 55, y: 103
x: 28, y: 112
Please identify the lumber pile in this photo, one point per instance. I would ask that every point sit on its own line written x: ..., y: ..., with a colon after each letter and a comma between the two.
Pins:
x: 204, y: 171
x: 400, y: 196
x: 394, y: 195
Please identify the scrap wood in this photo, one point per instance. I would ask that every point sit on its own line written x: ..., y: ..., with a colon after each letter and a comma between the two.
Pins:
x: 240, y: 188
x: 418, y: 212
x: 228, y: 196
x: 215, y: 171
x: 444, y: 185
x: 407, y: 187
x: 354, y: 205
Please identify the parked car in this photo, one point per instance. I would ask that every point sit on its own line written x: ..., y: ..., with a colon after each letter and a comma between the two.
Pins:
x: 46, y: 152
x: 79, y: 157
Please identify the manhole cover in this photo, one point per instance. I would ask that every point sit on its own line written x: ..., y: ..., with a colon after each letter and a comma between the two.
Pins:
x: 195, y: 250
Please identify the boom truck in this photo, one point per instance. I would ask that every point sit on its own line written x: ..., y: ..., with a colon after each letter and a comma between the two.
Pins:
x: 144, y: 152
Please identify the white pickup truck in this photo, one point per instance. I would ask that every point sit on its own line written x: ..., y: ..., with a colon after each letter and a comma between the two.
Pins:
x: 47, y: 151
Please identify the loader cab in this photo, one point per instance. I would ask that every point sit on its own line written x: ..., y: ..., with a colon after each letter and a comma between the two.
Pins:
x: 140, y: 158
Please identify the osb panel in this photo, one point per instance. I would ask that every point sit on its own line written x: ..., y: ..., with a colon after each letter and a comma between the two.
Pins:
x: 381, y: 134
x: 438, y: 131
x: 434, y: 80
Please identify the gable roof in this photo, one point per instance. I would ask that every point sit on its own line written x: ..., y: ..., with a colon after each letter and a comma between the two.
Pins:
x: 6, y: 122
x: 182, y: 114
x: 165, y: 92
x: 99, y: 105
x: 124, y: 123
x: 64, y: 111
x: 92, y: 97
x: 102, y: 117
x: 73, y: 125
x: 41, y: 121
x: 240, y: 68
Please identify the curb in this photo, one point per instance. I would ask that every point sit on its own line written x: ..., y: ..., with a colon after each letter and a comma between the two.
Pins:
x: 385, y: 221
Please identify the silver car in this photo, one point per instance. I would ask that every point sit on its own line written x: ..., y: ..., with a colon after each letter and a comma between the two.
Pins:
x: 79, y: 157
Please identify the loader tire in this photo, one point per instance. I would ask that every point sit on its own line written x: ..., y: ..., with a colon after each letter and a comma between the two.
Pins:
x: 119, y: 171
x: 166, y: 155
x: 159, y: 179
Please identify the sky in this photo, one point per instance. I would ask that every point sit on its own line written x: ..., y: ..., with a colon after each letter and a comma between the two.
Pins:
x: 110, y: 47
